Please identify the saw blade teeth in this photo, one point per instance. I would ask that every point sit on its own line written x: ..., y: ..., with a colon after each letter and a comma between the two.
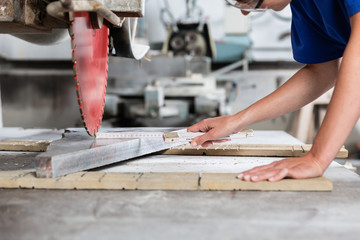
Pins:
x: 93, y: 126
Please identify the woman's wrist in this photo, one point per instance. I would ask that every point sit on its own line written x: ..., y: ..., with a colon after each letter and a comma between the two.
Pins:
x: 322, y: 160
x: 242, y: 119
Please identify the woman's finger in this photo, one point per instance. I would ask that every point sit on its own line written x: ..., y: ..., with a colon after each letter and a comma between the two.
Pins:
x: 280, y: 175
x: 257, y: 169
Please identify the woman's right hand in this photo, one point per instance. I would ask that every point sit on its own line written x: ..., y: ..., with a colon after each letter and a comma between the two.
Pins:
x: 215, y: 128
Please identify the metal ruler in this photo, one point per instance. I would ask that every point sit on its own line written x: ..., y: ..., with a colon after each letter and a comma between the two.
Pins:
x: 169, y: 137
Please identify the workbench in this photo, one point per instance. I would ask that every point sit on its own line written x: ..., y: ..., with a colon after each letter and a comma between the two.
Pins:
x: 79, y: 214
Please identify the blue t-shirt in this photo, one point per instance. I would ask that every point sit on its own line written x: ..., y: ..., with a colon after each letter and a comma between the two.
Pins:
x: 321, y: 29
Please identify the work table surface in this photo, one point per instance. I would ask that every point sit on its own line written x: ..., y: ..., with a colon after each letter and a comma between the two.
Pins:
x: 56, y: 214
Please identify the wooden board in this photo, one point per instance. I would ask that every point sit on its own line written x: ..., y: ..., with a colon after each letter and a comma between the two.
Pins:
x: 156, y: 181
x: 253, y: 150
x: 24, y: 145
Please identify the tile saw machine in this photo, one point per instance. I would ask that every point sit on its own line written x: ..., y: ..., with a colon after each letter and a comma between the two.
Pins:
x: 96, y: 28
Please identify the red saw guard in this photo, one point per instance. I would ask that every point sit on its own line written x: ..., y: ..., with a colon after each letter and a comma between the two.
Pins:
x: 90, y: 58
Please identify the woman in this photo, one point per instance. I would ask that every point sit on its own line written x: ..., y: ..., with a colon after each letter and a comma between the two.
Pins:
x: 325, y: 36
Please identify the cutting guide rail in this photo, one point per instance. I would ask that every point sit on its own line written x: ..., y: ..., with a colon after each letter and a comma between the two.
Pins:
x: 169, y: 137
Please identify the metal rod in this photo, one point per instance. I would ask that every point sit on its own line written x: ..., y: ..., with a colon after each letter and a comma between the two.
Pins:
x: 108, y: 15
x: 66, y: 3
x: 53, y: 9
x: 58, y: 8
x: 230, y: 67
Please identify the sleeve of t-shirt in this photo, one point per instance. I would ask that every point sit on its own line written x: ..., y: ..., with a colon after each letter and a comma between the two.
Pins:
x: 352, y: 6
x: 320, y: 30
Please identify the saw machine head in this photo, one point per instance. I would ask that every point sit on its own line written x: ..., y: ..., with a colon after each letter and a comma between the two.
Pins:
x: 88, y: 22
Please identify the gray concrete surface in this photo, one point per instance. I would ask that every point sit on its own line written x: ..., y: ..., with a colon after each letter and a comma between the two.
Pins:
x: 35, y: 214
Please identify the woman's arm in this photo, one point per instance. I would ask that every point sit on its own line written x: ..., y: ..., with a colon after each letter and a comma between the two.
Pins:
x: 342, y: 115
x: 306, y: 85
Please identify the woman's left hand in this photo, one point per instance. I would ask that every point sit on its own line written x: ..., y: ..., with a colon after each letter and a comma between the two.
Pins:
x: 298, y: 168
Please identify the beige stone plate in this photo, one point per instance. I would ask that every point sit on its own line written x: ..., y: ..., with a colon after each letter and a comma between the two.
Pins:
x: 156, y: 181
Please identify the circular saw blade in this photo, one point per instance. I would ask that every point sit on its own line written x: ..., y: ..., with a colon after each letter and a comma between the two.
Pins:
x: 90, y: 64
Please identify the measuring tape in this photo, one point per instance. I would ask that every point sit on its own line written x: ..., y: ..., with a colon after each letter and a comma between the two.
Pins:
x: 169, y: 137
x: 189, y: 136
